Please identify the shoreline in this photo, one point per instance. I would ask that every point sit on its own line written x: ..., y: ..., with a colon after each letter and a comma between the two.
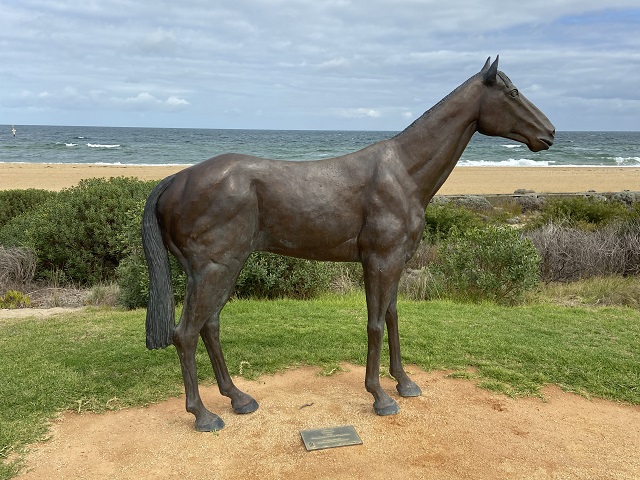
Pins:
x: 464, y: 180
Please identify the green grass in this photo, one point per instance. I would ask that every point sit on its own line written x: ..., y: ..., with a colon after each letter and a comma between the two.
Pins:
x: 96, y: 360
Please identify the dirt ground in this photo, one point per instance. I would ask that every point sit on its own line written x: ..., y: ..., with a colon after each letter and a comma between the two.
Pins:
x: 455, y: 430
x: 17, y: 313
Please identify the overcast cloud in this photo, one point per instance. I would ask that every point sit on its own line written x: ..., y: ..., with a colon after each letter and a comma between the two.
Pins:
x: 303, y: 64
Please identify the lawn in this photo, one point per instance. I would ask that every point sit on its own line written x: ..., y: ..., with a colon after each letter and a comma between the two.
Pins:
x: 96, y: 359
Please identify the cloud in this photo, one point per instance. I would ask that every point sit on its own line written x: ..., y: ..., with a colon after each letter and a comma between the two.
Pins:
x: 307, y: 64
x: 160, y: 41
x: 146, y: 101
x: 360, y: 113
x: 334, y: 63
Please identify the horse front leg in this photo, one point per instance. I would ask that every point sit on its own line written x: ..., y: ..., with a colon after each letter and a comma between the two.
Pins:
x: 381, y: 285
x: 406, y: 387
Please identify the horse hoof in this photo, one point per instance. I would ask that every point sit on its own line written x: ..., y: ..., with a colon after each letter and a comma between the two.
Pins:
x: 409, y: 390
x: 212, y: 423
x: 390, y: 409
x: 248, y: 407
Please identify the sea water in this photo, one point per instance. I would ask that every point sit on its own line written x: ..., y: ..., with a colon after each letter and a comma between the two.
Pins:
x: 183, y: 146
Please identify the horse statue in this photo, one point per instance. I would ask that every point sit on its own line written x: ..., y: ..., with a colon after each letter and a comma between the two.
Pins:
x: 365, y: 207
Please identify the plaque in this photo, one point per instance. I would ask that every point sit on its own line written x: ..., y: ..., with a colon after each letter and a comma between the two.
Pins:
x: 331, y: 437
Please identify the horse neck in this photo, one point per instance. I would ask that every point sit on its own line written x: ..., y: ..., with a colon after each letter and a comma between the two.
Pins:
x: 433, y: 144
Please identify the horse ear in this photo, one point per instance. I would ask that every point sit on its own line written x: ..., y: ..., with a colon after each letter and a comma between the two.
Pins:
x: 491, y: 72
x: 486, y: 65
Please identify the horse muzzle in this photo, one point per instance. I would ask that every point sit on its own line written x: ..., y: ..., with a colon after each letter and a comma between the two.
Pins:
x: 543, y: 142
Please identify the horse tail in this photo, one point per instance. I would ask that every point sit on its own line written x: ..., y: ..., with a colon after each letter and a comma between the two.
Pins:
x: 160, y: 321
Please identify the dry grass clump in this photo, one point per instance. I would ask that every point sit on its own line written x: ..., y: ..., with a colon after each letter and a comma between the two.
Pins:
x: 570, y: 254
x: 17, y: 267
x: 17, y: 273
x: 596, y: 291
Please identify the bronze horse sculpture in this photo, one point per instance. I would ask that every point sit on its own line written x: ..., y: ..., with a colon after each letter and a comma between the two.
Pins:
x: 365, y: 207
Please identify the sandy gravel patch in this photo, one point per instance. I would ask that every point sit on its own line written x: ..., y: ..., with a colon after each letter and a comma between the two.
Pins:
x: 17, y: 313
x: 455, y: 430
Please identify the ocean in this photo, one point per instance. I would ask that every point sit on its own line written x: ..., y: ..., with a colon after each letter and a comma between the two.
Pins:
x: 184, y: 146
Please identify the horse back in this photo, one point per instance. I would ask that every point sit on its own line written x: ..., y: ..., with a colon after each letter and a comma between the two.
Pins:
x: 310, y: 209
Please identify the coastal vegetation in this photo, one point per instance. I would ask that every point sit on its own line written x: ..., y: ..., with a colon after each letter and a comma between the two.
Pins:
x: 474, y: 249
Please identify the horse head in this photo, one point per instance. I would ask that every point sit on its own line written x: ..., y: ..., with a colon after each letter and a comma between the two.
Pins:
x: 505, y: 112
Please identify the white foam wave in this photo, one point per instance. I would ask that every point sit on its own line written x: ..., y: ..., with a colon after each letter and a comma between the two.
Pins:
x: 105, y: 164
x: 99, y: 145
x: 625, y: 161
x: 71, y: 144
x: 516, y: 145
x: 120, y: 164
x: 512, y: 162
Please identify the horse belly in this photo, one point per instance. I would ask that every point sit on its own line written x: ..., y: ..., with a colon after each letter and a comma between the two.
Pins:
x: 316, y: 232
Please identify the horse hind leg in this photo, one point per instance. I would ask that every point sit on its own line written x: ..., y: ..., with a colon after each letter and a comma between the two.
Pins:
x: 240, y: 402
x: 208, y: 289
x: 198, y: 307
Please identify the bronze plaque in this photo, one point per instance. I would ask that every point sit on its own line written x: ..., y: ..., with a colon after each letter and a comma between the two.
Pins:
x: 331, y: 437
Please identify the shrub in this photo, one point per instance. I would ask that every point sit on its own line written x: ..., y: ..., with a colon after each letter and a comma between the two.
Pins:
x: 586, y: 212
x: 17, y: 202
x: 348, y: 277
x: 491, y: 263
x: 75, y: 233
x: 475, y: 203
x: 441, y: 218
x: 267, y: 275
x: 14, y: 299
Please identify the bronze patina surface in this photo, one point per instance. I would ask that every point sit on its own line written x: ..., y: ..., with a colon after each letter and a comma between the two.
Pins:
x: 365, y: 207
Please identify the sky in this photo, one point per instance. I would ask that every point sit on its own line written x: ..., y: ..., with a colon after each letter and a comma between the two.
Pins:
x: 310, y: 64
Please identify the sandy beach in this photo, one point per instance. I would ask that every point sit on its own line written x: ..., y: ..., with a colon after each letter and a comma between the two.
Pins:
x: 463, y: 180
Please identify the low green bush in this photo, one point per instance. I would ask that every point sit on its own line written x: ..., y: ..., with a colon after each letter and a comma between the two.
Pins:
x: 75, y: 233
x: 441, y: 218
x: 492, y: 263
x: 587, y: 213
x: 267, y: 275
x: 17, y: 202
x: 14, y: 299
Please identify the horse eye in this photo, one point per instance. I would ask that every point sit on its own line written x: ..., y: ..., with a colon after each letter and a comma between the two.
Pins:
x: 514, y: 93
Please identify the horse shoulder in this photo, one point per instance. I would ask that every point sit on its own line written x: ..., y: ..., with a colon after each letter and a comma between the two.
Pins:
x: 394, y: 216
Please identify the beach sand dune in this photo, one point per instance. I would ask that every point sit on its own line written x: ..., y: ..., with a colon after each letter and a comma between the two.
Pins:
x: 463, y: 180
